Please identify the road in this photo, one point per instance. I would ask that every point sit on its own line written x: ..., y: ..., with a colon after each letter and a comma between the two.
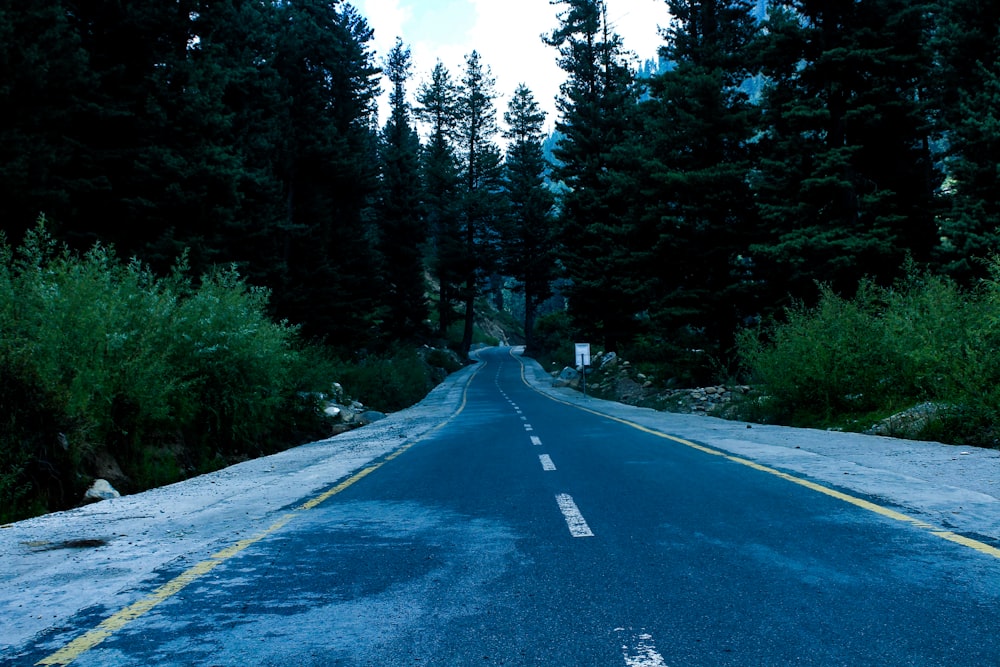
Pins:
x: 525, y: 530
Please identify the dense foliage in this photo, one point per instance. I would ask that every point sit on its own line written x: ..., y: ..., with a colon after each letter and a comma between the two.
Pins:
x: 784, y: 152
x: 847, y: 362
x: 103, y: 358
x: 778, y: 146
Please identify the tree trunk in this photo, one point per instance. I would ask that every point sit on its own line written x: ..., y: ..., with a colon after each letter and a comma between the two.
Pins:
x: 470, y: 313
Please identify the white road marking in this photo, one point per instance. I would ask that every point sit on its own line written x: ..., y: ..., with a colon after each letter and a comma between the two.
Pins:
x: 577, y: 524
x: 643, y: 654
x: 547, y: 463
x: 527, y: 427
x: 523, y: 418
x: 535, y: 440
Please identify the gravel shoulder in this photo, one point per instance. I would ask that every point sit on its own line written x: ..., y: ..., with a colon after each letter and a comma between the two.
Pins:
x: 105, y: 556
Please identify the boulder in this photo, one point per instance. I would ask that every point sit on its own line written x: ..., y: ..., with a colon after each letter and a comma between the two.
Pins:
x: 100, y: 490
x: 569, y: 377
x: 910, y: 423
x: 370, y: 416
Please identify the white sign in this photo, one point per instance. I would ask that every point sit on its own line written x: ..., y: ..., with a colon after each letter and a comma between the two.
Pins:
x: 583, y: 354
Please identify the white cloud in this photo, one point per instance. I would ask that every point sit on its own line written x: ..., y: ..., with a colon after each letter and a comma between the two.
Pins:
x: 507, y: 34
x: 638, y: 22
x: 388, y: 19
x: 508, y: 37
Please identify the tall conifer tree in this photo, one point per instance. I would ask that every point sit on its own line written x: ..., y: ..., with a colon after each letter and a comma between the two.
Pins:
x: 596, y: 104
x: 528, y: 244
x: 967, y: 41
x: 401, y: 223
x: 438, y: 110
x: 846, y: 180
x: 480, y: 168
x: 328, y: 172
x: 689, y: 162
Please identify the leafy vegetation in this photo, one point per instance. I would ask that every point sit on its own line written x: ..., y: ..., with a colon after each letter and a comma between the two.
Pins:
x: 816, y: 143
x: 848, y: 362
x: 166, y: 377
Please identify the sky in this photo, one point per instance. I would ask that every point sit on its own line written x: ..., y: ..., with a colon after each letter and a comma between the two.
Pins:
x: 506, y: 33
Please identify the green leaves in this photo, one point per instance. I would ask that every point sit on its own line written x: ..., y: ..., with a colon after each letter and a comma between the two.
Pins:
x: 118, y: 360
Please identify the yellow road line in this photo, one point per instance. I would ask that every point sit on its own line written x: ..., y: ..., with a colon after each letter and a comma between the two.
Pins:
x: 119, y: 620
x: 981, y: 547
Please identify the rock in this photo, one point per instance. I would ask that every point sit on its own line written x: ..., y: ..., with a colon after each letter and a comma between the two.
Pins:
x: 337, y: 391
x: 370, y: 416
x: 909, y: 423
x: 608, y: 359
x: 332, y: 411
x: 100, y: 490
x: 569, y: 377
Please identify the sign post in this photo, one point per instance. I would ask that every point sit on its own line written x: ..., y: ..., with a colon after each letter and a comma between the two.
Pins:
x: 583, y: 356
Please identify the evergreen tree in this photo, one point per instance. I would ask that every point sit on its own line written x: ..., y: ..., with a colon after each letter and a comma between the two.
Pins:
x: 846, y: 180
x: 528, y: 244
x: 480, y: 169
x: 967, y: 41
x: 438, y: 110
x: 690, y: 159
x: 328, y: 172
x: 602, y: 255
x: 45, y: 80
x: 401, y: 224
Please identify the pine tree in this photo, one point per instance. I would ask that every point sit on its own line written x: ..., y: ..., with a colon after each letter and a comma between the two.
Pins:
x: 328, y: 171
x: 846, y: 180
x: 967, y: 41
x: 402, y: 232
x: 690, y: 160
x: 45, y: 81
x: 602, y: 255
x: 480, y: 169
x: 528, y: 244
x: 438, y: 110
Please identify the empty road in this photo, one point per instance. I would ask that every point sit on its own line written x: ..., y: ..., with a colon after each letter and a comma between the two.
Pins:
x: 526, y: 529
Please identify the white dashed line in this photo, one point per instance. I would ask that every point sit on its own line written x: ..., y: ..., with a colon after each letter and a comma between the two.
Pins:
x: 577, y: 524
x: 527, y: 427
x: 535, y: 440
x: 643, y: 653
x: 546, y: 461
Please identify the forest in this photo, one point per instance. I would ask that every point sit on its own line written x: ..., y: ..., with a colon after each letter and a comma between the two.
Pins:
x: 769, y: 160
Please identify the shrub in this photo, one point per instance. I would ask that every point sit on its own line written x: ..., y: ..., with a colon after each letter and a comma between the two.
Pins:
x: 851, y: 361
x: 390, y: 381
x: 554, y: 339
x: 167, y: 377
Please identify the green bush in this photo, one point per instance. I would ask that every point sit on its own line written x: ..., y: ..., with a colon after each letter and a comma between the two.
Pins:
x: 390, y: 381
x: 167, y: 377
x: 555, y: 339
x: 849, y: 362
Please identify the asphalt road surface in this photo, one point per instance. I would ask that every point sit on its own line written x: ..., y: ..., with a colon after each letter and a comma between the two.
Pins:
x: 524, y: 530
